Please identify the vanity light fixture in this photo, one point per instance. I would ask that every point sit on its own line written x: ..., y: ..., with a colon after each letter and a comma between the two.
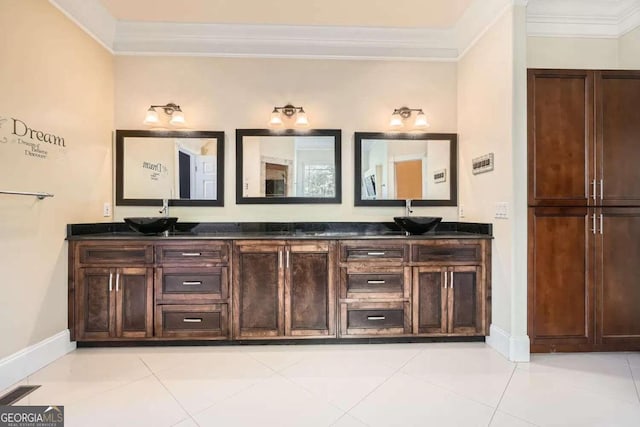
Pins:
x: 279, y: 114
x: 400, y: 115
x: 170, y: 109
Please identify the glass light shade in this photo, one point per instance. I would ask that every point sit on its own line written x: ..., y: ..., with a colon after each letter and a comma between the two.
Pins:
x: 421, y: 121
x: 275, y: 120
x: 301, y: 118
x: 177, y: 118
x: 151, y: 117
x: 396, y: 120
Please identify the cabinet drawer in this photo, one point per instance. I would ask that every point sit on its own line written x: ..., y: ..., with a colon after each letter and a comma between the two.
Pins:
x: 383, y: 318
x: 372, y: 252
x: 374, y: 319
x: 192, y: 321
x: 185, y: 284
x: 454, y: 252
x: 371, y: 283
x: 115, y: 254
x: 192, y: 253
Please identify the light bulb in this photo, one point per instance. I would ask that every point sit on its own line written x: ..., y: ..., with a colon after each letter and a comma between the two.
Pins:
x: 396, y: 120
x: 177, y: 118
x: 151, y: 117
x: 275, y: 120
x: 301, y: 119
x: 421, y: 121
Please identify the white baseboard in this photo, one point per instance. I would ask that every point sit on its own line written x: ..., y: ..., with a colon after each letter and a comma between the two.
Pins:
x: 514, y: 348
x: 25, y: 362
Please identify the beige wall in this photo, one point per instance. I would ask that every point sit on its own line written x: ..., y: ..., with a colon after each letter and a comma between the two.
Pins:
x: 225, y: 94
x: 569, y: 52
x: 629, y: 45
x: 485, y: 91
x: 56, y: 79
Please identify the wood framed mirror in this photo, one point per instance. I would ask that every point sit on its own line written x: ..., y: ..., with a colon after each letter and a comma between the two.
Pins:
x: 288, y: 166
x: 391, y: 168
x: 186, y: 167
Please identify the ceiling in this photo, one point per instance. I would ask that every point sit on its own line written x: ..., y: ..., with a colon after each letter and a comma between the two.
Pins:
x: 435, y: 14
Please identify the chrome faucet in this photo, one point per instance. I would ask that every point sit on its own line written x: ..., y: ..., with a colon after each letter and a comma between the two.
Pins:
x: 165, y: 208
x: 408, y: 207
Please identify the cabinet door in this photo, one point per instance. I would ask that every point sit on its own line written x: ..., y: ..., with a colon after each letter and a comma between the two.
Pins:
x: 618, y: 282
x: 560, y: 140
x: 258, y: 287
x: 134, y: 302
x: 561, y: 302
x: 95, y: 303
x: 465, y: 301
x: 310, y: 289
x: 618, y: 137
x: 429, y: 300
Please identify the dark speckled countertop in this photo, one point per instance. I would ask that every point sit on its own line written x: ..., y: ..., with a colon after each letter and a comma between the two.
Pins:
x: 279, y: 230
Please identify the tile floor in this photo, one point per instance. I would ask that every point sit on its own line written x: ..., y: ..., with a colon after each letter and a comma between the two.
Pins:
x: 435, y: 384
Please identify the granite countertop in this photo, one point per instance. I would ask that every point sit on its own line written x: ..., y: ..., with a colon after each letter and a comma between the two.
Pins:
x: 275, y: 231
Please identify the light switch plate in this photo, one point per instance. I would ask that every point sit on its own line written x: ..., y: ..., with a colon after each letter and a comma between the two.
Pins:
x: 482, y: 164
x: 106, y: 209
x: 502, y: 210
x: 461, y: 211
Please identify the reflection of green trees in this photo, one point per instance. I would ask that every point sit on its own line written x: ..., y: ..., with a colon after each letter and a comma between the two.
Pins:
x: 319, y: 181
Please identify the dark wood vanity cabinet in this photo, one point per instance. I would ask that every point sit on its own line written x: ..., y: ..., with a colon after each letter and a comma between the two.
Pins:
x: 451, y: 295
x: 284, y: 289
x: 159, y: 289
x: 112, y: 294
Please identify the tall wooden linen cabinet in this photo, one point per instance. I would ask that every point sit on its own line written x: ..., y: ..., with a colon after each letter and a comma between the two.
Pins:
x: 584, y: 210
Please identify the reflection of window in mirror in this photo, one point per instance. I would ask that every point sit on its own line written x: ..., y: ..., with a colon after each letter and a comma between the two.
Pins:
x: 288, y: 166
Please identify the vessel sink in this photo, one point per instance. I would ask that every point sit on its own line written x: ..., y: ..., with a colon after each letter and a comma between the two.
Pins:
x: 151, y: 225
x: 417, y: 224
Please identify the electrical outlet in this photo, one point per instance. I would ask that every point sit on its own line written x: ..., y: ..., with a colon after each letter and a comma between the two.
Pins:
x: 502, y: 210
x: 106, y: 209
x: 461, y: 211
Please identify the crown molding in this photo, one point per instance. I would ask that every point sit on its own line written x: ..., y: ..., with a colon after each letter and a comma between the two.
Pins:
x: 231, y: 40
x: 582, y: 18
x: 92, y: 17
x: 546, y: 18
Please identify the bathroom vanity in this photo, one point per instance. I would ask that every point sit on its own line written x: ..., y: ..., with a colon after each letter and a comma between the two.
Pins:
x: 265, y: 281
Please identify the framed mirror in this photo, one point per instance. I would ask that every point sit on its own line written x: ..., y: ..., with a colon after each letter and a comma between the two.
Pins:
x: 391, y: 168
x: 186, y: 167
x: 288, y: 166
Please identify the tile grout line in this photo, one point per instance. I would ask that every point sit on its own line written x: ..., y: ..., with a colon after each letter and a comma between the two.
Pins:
x: 503, y: 393
x: 377, y: 387
x: 635, y: 384
x: 169, y: 391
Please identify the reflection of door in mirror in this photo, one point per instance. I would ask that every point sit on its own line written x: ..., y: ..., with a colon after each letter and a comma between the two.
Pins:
x: 196, y: 173
x: 275, y: 180
x: 409, y: 180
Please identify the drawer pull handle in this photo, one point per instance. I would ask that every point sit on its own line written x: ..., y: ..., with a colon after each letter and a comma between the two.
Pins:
x: 192, y: 320
x: 191, y: 254
x: 375, y: 317
x: 376, y: 282
x: 376, y: 253
x: 191, y: 283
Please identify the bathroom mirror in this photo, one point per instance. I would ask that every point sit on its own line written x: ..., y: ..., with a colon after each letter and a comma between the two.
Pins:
x: 288, y: 166
x: 186, y: 167
x: 393, y: 167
